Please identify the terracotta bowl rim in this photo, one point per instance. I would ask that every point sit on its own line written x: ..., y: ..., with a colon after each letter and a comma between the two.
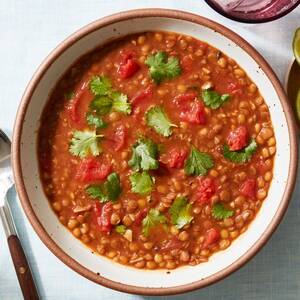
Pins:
x: 16, y: 149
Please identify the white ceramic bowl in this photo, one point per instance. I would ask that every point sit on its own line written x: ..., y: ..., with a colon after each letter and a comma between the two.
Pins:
x: 59, y: 240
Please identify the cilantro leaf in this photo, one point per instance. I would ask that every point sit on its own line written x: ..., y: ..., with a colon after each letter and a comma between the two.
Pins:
x: 100, y: 85
x: 120, y: 103
x: 180, y: 212
x: 198, y: 163
x: 85, y: 142
x: 120, y: 229
x: 240, y: 156
x: 158, y: 120
x: 97, y: 192
x: 112, y: 186
x: 213, y: 99
x: 162, y: 67
x: 141, y: 183
x: 106, y: 98
x: 220, y: 212
x: 108, y: 191
x: 153, y: 218
x: 101, y: 104
x: 95, y: 121
x: 144, y: 155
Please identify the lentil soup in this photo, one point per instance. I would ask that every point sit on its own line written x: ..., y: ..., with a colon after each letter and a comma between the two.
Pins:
x: 156, y: 150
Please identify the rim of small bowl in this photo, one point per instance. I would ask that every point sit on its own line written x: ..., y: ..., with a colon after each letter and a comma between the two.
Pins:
x: 16, y: 150
x: 251, y: 21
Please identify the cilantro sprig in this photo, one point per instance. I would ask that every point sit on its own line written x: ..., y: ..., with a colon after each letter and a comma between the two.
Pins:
x: 198, y: 163
x: 241, y: 156
x: 95, y: 121
x: 101, y: 105
x: 141, y: 183
x: 213, y: 99
x: 180, y: 212
x: 120, y: 103
x: 153, y: 218
x: 144, y: 155
x: 106, y: 98
x: 108, y: 191
x: 162, y: 67
x: 220, y: 212
x: 84, y: 143
x: 100, y: 85
x: 159, y: 121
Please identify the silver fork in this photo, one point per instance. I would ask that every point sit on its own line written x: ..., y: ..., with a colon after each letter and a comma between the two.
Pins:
x: 17, y: 253
x: 6, y: 184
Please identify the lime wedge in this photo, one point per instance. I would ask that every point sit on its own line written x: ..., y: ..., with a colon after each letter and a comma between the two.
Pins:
x: 296, y: 45
x: 298, y: 105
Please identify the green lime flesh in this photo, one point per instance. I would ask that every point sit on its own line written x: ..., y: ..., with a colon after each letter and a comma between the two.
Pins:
x: 296, y: 45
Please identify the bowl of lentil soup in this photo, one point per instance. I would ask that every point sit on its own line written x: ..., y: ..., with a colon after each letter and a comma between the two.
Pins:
x: 145, y: 152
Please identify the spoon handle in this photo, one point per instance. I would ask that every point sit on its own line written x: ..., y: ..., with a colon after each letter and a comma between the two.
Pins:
x: 22, y: 269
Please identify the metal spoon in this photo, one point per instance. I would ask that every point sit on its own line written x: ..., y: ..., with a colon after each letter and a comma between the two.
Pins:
x: 19, y: 259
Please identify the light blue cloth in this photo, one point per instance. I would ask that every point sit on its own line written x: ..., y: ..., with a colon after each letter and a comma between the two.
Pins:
x: 30, y: 29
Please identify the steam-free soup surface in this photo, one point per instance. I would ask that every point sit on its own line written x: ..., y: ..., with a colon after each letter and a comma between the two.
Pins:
x: 156, y: 150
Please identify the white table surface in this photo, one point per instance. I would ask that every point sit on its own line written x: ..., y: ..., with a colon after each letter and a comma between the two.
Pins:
x: 30, y: 29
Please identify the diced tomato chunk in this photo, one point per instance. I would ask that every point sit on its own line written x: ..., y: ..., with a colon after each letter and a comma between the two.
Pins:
x: 141, y: 95
x: 187, y: 63
x: 128, y: 69
x: 140, y: 216
x: 103, y: 214
x: 205, y: 190
x: 172, y: 244
x: 176, y: 158
x: 72, y: 109
x: 119, y: 137
x: 237, y: 139
x: 233, y: 88
x: 91, y: 169
x: 262, y: 167
x: 128, y: 66
x: 195, y: 114
x: 211, y: 237
x: 248, y: 188
x: 183, y: 101
x: 74, y: 102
